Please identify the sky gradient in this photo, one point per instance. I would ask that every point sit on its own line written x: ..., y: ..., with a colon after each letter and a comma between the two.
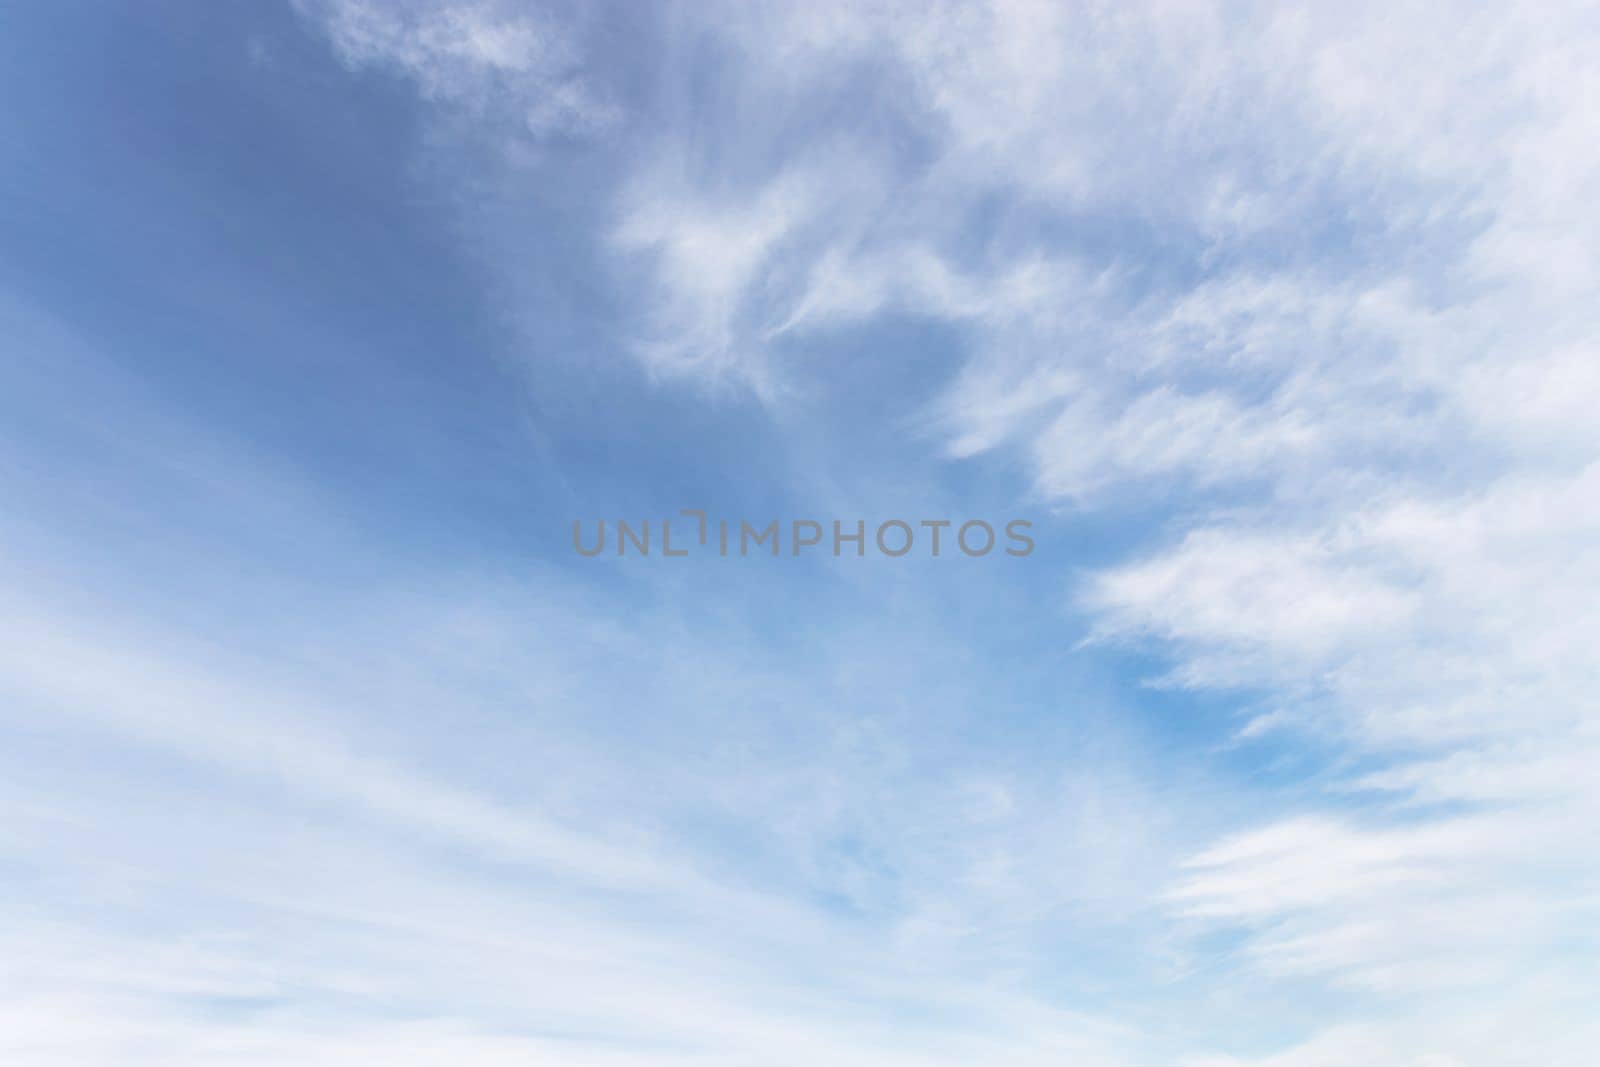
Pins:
x: 321, y: 322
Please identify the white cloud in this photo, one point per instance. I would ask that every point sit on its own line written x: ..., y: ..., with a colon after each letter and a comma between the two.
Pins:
x: 1384, y: 353
x: 1326, y: 278
x: 709, y: 261
x: 482, y: 54
x: 321, y: 901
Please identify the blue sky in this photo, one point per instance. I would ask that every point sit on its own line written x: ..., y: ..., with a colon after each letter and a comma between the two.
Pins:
x: 323, y: 321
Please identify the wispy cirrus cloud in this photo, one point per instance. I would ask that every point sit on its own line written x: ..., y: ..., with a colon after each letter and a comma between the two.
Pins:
x: 1321, y: 277
x: 487, y: 55
x: 1355, y: 337
x: 1310, y: 293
